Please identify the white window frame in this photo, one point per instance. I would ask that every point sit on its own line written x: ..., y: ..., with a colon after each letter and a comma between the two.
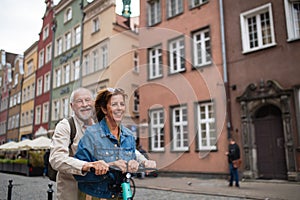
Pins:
x: 180, y: 125
x: 39, y: 87
x: 256, y: 14
x: 206, y: 118
x: 76, y: 65
x: 104, y: 56
x: 174, y: 7
x: 57, y: 76
x: 56, y: 109
x: 65, y: 107
x: 155, y: 62
x: 46, y: 32
x: 66, y: 73
x: 77, y: 35
x: 47, y: 78
x: 136, y: 61
x: 177, y: 53
x: 45, y: 117
x: 30, y: 69
x: 196, y: 3
x: 86, y: 64
x: 59, y: 46
x: 96, y: 65
x: 96, y: 25
x: 293, y: 25
x: 48, y: 53
x: 68, y: 15
x: 41, y: 58
x: 154, y: 12
x: 38, y: 110
x: 68, y: 41
x: 157, y: 130
x: 201, y: 48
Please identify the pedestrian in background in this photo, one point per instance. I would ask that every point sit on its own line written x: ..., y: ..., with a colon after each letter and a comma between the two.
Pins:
x: 233, y: 155
x: 46, y: 162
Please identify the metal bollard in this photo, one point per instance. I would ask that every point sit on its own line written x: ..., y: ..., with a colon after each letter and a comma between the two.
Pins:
x: 10, y: 186
x: 50, y: 191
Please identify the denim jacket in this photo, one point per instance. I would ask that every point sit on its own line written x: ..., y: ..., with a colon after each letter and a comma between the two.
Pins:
x: 99, y: 144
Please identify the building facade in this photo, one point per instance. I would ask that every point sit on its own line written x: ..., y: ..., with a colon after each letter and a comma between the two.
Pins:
x: 262, y: 45
x: 67, y: 53
x: 110, y: 54
x: 43, y: 73
x: 182, y: 94
x: 14, y: 101
x: 28, y: 93
x: 7, y: 60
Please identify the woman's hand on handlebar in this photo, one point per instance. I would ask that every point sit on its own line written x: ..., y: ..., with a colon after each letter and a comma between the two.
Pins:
x: 120, y: 164
x: 133, y: 166
x: 99, y: 167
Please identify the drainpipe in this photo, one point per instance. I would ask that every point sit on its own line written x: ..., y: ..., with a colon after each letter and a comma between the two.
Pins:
x: 225, y: 72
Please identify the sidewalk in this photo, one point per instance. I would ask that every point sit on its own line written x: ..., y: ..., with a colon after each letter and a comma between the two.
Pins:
x: 249, y: 189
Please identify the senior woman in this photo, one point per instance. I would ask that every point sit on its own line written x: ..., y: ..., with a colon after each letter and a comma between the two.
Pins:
x: 107, y: 140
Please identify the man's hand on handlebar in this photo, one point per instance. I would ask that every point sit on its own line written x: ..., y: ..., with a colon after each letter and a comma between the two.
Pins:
x: 100, y: 167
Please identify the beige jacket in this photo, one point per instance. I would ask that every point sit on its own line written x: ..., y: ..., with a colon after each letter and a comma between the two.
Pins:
x: 64, y: 163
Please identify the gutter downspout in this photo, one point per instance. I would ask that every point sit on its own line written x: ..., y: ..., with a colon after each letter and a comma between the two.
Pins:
x: 225, y: 72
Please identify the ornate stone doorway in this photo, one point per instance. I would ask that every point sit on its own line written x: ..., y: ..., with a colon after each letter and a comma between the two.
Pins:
x: 263, y: 105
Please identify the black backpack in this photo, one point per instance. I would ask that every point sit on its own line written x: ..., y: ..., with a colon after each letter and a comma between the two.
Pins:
x: 52, y: 172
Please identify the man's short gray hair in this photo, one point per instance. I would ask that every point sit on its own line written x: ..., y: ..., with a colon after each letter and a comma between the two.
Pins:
x: 79, y: 90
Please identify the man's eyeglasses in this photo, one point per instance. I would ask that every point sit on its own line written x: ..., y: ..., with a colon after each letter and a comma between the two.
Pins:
x: 81, y: 101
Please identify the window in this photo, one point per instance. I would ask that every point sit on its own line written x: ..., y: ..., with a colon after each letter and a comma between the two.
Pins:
x: 136, y: 101
x: 16, y: 79
x: 24, y: 95
x: 17, y: 120
x: 38, y: 115
x: 180, y: 128
x: 65, y: 107
x: 56, y: 110
x: 96, y: 25
x: 86, y: 65
x: 76, y: 64
x: 155, y: 62
x: 136, y: 61
x: 104, y: 56
x: 176, y: 55
x: 95, y: 60
x: 175, y: 7
x: 57, y: 76
x: 46, y: 32
x: 30, y: 67
x: 39, y: 87
x: 67, y: 41
x: 77, y: 38
x: 292, y: 10
x: 157, y: 130
x: 154, y: 12
x: 195, y: 3
x: 257, y: 28
x: 32, y: 90
x: 48, y: 53
x: 206, y: 123
x: 41, y: 58
x: 66, y: 74
x: 47, y: 82
x: 201, y: 48
x: 68, y: 15
x: 45, y: 112
x: 59, y: 46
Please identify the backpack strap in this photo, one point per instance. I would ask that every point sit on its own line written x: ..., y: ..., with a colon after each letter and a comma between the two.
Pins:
x: 73, y: 130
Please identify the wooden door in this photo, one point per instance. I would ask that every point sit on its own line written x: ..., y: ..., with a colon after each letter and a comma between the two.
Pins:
x: 269, y: 139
